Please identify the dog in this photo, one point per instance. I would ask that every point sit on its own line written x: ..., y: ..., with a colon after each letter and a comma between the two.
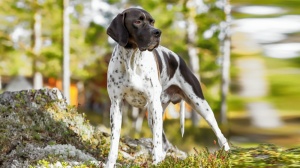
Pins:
x: 150, y: 76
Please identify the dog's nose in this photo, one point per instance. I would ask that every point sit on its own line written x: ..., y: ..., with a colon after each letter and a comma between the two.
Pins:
x: 156, y: 32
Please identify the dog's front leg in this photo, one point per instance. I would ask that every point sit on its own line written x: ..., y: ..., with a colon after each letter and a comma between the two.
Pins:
x: 115, y: 124
x: 155, y: 111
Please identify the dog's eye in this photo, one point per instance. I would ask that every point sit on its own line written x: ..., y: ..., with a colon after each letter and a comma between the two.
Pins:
x: 151, y: 21
x: 137, y: 22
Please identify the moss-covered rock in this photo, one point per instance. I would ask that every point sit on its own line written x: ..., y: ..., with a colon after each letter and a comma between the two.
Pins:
x: 36, y: 124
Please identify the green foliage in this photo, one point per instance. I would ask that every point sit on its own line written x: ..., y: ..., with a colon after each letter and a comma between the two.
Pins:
x: 284, y: 83
x: 94, y: 33
x: 84, y: 44
x: 265, y: 155
x: 201, y: 158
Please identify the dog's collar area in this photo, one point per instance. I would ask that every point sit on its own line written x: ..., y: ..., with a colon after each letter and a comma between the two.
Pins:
x: 130, y: 62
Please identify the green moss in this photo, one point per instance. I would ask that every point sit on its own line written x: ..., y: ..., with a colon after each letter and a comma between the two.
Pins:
x: 46, y: 122
x: 43, y: 163
x: 201, y: 158
x: 37, y: 136
x: 47, y: 164
x: 265, y: 155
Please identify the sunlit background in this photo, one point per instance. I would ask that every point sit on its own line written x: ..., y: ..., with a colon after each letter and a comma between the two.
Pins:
x: 265, y: 51
x: 263, y: 101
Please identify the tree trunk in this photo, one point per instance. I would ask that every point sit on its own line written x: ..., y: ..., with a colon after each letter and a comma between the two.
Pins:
x: 0, y: 83
x: 225, y: 62
x: 225, y: 81
x: 66, y: 50
x: 37, y: 44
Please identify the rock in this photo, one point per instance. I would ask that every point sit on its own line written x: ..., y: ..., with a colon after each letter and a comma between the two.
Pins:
x: 144, y: 146
x: 37, y: 124
x: 39, y: 128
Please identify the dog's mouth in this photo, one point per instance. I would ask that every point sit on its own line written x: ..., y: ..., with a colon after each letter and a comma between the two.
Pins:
x: 150, y: 47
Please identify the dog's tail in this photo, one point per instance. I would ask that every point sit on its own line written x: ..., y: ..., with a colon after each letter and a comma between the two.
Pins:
x: 182, y: 116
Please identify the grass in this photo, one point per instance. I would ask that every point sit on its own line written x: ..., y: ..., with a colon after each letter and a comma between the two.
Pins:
x: 201, y: 158
x: 265, y: 155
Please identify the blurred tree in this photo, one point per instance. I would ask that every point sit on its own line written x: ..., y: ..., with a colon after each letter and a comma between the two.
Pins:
x: 14, y: 38
x: 225, y: 50
x: 17, y: 33
x: 25, y: 15
x: 66, y: 50
x: 22, y: 27
x: 36, y: 44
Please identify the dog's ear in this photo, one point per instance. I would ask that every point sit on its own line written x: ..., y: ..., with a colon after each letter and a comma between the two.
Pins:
x: 118, y: 31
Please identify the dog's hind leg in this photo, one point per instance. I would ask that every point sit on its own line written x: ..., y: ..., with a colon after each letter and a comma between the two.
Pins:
x: 193, y: 94
x: 139, y: 120
x: 203, y: 108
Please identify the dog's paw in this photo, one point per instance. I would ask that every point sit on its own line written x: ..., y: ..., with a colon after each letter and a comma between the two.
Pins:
x: 159, y: 157
x: 226, y: 147
x: 224, y: 144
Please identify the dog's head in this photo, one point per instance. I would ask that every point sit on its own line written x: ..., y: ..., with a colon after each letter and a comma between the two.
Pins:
x: 134, y: 28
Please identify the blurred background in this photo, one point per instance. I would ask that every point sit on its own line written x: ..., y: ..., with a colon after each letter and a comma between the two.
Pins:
x: 246, y: 55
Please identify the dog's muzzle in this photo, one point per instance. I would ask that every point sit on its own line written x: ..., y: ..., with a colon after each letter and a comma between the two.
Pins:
x: 155, y: 40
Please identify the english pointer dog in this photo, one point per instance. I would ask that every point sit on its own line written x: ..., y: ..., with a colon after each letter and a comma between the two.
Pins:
x: 150, y: 76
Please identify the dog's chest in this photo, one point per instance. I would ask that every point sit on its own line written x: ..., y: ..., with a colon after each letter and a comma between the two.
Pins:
x: 136, y: 75
x: 135, y: 92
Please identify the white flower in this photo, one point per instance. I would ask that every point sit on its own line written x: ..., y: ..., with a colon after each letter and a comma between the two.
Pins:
x: 58, y: 164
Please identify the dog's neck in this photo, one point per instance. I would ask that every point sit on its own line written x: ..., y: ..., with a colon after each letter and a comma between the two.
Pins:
x: 131, y: 58
x: 131, y: 44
